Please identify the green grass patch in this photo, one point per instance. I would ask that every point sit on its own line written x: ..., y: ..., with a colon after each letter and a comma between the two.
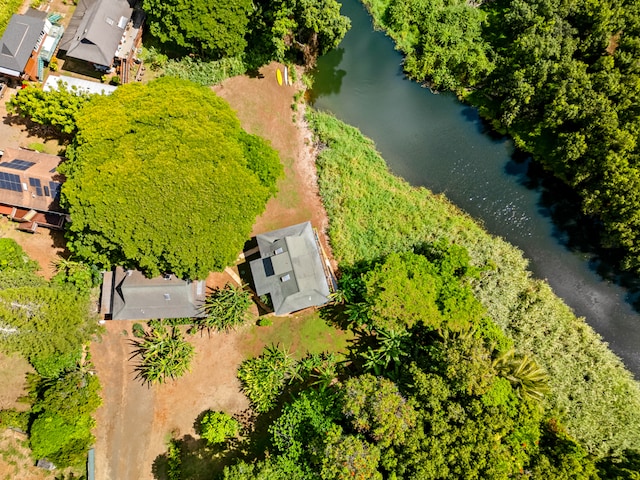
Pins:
x: 373, y: 213
x: 299, y: 334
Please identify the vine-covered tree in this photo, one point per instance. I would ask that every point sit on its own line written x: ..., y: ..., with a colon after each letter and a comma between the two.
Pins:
x: 163, y: 178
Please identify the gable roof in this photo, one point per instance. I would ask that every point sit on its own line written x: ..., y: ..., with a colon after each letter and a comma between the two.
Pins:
x: 95, y: 30
x: 132, y: 296
x: 290, y: 269
x: 18, y: 41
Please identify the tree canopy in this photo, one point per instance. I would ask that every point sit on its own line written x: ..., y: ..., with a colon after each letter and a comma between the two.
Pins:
x: 162, y: 178
x: 207, y: 27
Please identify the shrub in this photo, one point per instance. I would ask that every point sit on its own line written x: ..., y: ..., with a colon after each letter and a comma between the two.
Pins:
x: 217, y: 427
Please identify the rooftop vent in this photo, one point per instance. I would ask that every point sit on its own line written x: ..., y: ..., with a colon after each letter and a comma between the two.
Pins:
x: 285, y: 278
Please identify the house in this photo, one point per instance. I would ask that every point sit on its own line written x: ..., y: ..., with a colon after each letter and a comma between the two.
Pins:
x: 290, y: 269
x: 104, y: 33
x: 129, y: 295
x: 30, y: 189
x: 28, y: 43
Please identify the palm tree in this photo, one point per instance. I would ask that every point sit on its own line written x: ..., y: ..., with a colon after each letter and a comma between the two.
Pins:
x: 524, y: 373
x: 390, y: 349
x: 225, y: 308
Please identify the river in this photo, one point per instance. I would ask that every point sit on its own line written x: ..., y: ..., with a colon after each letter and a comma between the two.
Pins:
x: 435, y: 141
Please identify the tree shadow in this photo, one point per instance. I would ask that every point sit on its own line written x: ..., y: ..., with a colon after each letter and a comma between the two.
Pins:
x: 327, y: 76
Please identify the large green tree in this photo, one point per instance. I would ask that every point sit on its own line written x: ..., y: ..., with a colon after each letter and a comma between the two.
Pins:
x: 163, y: 178
x: 207, y: 27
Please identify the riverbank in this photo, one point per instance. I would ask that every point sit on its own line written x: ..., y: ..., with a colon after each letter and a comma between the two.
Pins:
x: 373, y: 213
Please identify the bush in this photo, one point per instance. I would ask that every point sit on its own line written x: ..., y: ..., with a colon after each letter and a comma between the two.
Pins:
x: 203, y: 72
x: 218, y: 427
x: 226, y: 308
x: 13, y: 257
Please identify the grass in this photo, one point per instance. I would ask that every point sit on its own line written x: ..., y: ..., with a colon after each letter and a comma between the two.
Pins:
x: 300, y: 334
x: 373, y: 213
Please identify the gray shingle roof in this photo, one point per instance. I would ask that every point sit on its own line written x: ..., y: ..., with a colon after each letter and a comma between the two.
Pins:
x: 135, y: 297
x: 18, y: 41
x: 290, y: 269
x: 95, y: 30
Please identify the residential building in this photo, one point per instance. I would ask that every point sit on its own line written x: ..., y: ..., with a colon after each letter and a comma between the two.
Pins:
x: 30, y: 189
x: 290, y: 269
x: 129, y: 295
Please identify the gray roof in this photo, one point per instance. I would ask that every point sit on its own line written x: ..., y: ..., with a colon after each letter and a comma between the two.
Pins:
x: 135, y: 297
x: 95, y: 30
x: 19, y: 40
x: 290, y: 269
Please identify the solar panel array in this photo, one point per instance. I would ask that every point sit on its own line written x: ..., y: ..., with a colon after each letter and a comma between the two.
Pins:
x: 35, y: 182
x: 10, y: 181
x: 17, y: 164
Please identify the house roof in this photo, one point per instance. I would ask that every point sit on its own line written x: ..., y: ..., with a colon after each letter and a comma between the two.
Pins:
x: 290, y: 269
x: 95, y: 30
x: 30, y: 180
x: 136, y: 297
x: 18, y: 41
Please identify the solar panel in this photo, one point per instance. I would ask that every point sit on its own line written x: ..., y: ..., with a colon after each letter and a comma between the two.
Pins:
x: 55, y: 189
x: 17, y: 164
x: 10, y: 181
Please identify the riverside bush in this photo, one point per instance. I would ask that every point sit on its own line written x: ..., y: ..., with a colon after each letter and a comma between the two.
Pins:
x: 374, y: 213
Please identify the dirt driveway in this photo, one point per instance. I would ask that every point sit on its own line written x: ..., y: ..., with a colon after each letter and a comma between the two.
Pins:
x: 135, y: 421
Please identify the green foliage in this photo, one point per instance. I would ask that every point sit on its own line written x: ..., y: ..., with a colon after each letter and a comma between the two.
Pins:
x: 206, y: 27
x: 174, y: 460
x: 162, y: 354
x: 47, y: 325
x: 373, y: 214
x: 82, y: 276
x: 13, y: 257
x: 442, y: 39
x: 7, y: 9
x: 57, y: 108
x: 218, y: 427
x: 138, y: 330
x: 376, y: 408
x: 226, y: 308
x: 53, y: 365
x: 263, y: 378
x: 14, y: 419
x: 348, y: 456
x: 159, y: 179
x: 204, y: 72
x: 61, y: 429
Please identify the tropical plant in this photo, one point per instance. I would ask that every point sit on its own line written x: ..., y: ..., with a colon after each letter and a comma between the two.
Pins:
x: 524, y: 373
x: 225, y: 308
x: 162, y: 354
x: 391, y: 347
x: 263, y: 378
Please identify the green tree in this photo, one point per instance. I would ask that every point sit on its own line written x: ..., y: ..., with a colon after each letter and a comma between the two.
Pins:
x: 206, y: 27
x: 162, y: 354
x: 159, y: 179
x: 349, y: 457
x: 218, y: 427
x: 13, y: 257
x: 56, y: 108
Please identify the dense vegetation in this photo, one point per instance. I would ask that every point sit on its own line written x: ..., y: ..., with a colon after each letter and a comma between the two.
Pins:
x: 49, y: 323
x: 297, y: 30
x: 162, y: 178
x: 7, y: 9
x: 378, y: 214
x: 560, y: 77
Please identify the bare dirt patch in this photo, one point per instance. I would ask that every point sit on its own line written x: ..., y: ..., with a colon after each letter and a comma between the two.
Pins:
x: 13, y: 372
x: 15, y: 462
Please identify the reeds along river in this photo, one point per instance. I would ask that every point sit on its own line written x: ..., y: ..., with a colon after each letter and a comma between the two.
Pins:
x: 435, y: 141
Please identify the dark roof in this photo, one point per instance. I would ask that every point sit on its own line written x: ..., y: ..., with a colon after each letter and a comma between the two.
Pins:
x: 136, y: 297
x: 18, y: 41
x: 95, y: 30
x: 290, y: 269
x: 29, y: 179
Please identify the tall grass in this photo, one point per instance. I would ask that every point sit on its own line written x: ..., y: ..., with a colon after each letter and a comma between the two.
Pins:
x: 205, y: 72
x: 372, y: 213
x: 7, y: 9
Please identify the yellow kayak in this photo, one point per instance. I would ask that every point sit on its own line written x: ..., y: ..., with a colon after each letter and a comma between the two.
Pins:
x: 279, y: 76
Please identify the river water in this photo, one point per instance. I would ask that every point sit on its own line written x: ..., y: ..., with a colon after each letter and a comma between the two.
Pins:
x: 435, y: 141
